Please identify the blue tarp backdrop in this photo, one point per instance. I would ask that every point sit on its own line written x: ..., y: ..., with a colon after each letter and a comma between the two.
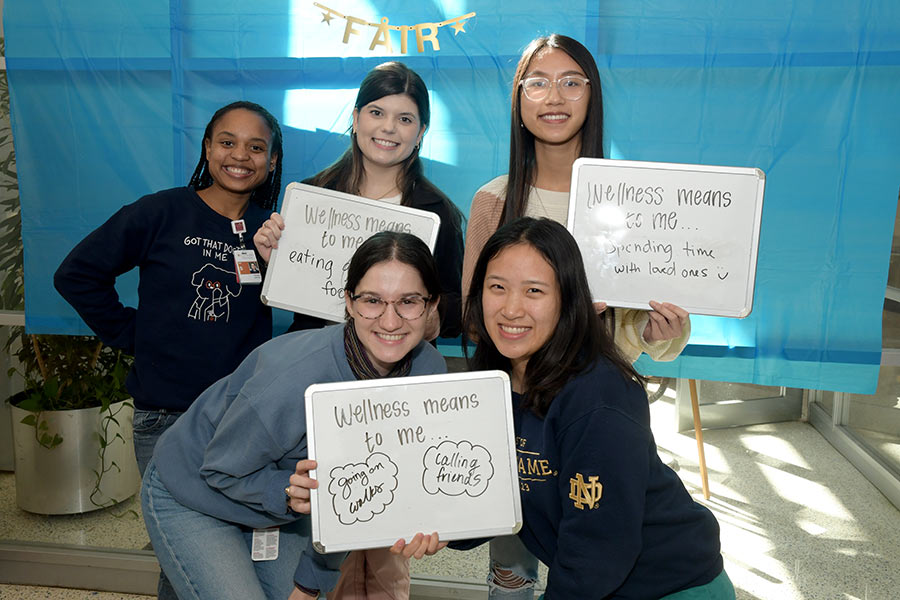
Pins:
x: 110, y: 98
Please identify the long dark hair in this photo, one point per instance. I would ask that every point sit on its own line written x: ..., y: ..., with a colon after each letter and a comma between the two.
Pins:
x: 394, y: 245
x: 266, y: 195
x: 522, y: 161
x: 346, y: 174
x: 578, y: 339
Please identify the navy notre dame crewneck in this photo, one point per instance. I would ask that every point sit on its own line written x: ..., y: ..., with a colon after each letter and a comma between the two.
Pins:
x: 600, y: 509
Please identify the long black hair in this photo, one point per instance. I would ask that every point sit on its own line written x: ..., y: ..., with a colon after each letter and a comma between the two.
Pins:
x: 522, y: 161
x: 578, y: 339
x: 266, y: 195
x: 394, y: 245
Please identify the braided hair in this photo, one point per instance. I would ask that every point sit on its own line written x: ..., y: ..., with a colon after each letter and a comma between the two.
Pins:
x: 266, y: 195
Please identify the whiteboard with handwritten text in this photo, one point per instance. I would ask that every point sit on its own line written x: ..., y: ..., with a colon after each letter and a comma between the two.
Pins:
x: 415, y: 454
x: 322, y: 230
x: 685, y: 234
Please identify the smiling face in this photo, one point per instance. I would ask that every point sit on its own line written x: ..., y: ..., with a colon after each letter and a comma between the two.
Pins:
x: 387, y: 130
x: 521, y: 303
x: 389, y: 338
x: 553, y: 120
x: 239, y: 153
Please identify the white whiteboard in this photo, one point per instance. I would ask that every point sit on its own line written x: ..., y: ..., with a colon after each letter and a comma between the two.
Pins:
x: 685, y: 234
x: 400, y: 456
x: 322, y: 229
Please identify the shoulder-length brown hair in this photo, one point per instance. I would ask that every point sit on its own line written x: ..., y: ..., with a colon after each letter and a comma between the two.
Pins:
x: 387, y: 79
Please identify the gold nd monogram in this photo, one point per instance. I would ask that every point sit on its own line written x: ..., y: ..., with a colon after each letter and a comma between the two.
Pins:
x: 585, y: 493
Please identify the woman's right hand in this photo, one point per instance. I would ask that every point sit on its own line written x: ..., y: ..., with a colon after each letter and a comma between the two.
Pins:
x: 266, y: 238
x: 421, y: 545
x: 300, y: 485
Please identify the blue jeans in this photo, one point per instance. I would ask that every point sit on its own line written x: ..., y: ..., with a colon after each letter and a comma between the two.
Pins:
x: 148, y: 426
x: 206, y: 558
x: 509, y: 554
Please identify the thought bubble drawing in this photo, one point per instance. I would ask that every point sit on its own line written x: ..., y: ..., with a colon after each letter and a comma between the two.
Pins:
x: 457, y: 468
x: 360, y: 491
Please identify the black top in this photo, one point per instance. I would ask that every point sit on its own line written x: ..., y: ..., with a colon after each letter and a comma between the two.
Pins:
x: 194, y: 322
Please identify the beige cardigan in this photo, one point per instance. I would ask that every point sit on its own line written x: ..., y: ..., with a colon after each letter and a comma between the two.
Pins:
x: 484, y: 218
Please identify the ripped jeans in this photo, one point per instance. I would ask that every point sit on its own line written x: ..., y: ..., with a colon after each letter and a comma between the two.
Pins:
x: 514, y: 570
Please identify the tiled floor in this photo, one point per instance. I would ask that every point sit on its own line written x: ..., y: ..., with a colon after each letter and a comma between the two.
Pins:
x: 798, y: 521
x: 25, y: 592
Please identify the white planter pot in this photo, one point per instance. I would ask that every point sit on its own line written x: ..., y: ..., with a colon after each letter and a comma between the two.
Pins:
x: 62, y: 480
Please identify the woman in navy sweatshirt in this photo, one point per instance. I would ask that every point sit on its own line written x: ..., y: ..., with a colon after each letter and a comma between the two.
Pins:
x: 600, y: 509
x: 195, y: 320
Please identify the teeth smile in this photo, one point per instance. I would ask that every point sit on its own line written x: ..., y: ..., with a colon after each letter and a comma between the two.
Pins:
x: 238, y: 170
x: 554, y: 117
x: 388, y: 337
x: 514, y: 330
x: 385, y: 142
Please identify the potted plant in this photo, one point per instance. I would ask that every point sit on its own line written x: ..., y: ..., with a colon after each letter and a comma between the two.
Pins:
x: 71, y: 425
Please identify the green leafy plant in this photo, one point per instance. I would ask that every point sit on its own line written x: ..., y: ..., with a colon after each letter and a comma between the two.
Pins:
x: 12, y: 286
x: 63, y: 372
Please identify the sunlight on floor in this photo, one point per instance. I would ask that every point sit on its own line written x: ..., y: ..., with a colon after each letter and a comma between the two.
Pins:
x: 797, y: 521
x: 804, y: 493
x: 774, y: 447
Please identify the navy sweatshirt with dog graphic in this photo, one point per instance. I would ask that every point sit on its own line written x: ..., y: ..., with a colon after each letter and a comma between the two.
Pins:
x: 194, y: 322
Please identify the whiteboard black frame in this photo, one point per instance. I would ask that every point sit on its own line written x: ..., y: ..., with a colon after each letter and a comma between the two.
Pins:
x: 753, y: 172
x: 339, y: 197
x: 459, y: 534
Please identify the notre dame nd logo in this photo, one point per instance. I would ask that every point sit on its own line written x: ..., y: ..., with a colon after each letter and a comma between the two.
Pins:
x: 585, y: 493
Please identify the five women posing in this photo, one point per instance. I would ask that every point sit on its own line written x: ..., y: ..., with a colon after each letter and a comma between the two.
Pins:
x: 221, y: 470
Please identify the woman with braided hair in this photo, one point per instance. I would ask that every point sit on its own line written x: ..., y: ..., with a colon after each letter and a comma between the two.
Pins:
x: 195, y: 320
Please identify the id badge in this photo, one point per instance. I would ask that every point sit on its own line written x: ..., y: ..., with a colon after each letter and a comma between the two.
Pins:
x: 265, y: 544
x: 246, y: 266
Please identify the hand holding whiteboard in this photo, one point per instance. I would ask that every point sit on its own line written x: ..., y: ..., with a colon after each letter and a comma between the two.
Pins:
x: 400, y: 456
x: 686, y: 234
x: 322, y: 230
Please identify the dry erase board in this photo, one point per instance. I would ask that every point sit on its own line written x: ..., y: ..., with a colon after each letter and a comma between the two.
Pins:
x: 400, y: 456
x: 322, y: 230
x: 686, y: 234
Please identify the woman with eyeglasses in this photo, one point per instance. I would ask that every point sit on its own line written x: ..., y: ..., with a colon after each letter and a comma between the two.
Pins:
x: 390, y: 117
x: 557, y: 117
x: 227, y: 466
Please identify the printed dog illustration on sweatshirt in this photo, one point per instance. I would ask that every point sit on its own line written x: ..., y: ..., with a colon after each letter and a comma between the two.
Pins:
x: 215, y: 288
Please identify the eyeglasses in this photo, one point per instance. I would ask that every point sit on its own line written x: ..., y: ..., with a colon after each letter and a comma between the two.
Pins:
x: 408, y: 308
x: 570, y: 87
